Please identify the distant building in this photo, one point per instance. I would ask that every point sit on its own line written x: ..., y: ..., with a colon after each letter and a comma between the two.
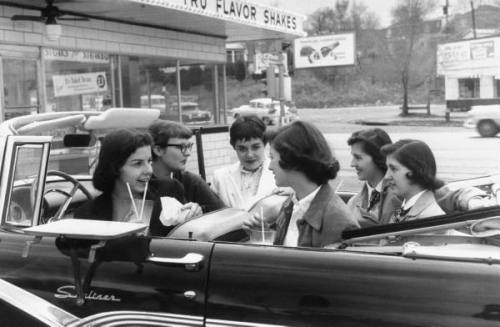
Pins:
x: 471, y: 69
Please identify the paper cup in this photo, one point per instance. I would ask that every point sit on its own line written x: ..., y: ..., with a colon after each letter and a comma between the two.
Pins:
x: 257, y: 236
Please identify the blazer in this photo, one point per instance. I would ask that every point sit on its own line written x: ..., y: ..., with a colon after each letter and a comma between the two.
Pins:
x: 101, y: 208
x: 322, y: 224
x: 426, y: 206
x: 227, y: 184
x: 358, y: 205
x: 448, y: 200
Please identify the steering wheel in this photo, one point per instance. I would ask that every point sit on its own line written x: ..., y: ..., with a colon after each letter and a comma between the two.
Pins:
x: 69, y: 195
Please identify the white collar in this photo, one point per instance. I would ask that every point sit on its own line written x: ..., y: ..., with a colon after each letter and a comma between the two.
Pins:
x: 306, y: 201
x: 408, y: 204
x: 251, y: 172
x: 377, y: 187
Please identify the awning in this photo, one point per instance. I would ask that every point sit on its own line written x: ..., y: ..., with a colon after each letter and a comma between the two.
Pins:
x: 234, y: 20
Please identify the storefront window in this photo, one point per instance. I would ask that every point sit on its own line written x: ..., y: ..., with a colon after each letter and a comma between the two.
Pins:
x: 20, y: 87
x: 198, y: 94
x: 468, y: 88
x: 497, y: 88
x: 159, y: 86
x: 77, y: 80
x: 152, y: 83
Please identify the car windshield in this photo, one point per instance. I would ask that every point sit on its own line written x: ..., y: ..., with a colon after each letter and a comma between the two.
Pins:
x: 189, y: 107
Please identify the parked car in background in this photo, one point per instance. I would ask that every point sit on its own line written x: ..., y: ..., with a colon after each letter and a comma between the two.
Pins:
x: 484, y: 118
x: 191, y: 113
x: 266, y: 109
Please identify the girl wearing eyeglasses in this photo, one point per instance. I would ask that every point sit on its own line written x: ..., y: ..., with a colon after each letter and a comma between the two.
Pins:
x: 171, y: 151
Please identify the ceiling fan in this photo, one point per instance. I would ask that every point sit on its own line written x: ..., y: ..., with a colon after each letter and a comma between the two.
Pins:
x: 49, y: 14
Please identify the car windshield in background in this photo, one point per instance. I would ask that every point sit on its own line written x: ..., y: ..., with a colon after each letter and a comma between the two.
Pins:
x: 189, y: 107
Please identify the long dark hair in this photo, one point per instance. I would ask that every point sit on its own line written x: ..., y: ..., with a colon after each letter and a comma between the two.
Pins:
x: 302, y: 147
x: 116, y: 147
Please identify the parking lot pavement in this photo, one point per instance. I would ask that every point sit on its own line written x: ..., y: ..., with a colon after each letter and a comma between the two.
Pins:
x: 347, y: 120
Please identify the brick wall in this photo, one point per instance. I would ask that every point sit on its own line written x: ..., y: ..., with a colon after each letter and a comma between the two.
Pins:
x: 217, y: 153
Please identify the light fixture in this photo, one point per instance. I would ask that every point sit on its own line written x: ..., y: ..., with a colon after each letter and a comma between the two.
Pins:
x: 53, y: 30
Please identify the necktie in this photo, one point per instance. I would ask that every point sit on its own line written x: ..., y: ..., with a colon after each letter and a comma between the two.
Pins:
x: 374, y: 199
x: 401, y: 214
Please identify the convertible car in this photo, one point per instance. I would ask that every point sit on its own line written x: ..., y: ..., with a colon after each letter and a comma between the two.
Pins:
x: 206, y: 272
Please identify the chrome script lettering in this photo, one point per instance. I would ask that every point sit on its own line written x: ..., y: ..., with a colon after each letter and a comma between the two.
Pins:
x: 68, y: 292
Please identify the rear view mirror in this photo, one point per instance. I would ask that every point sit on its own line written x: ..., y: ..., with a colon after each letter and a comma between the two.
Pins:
x: 78, y: 140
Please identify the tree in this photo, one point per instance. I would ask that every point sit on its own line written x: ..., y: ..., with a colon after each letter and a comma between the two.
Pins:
x: 340, y: 18
x: 406, y: 41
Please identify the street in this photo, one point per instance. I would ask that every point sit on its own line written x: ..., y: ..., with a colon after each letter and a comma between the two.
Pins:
x: 460, y: 153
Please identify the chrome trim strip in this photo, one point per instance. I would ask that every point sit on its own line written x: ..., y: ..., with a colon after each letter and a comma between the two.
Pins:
x: 34, y: 306
x: 230, y: 323
x: 138, y: 317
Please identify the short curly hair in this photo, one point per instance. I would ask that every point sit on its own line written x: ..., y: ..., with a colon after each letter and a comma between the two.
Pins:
x: 417, y: 156
x: 116, y: 147
x: 371, y: 141
x: 302, y: 147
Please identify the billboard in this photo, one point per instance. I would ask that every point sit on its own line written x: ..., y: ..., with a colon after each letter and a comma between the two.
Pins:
x: 325, y: 50
x: 468, y: 55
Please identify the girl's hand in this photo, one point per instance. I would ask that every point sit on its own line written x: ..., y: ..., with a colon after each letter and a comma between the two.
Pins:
x: 252, y: 221
x: 190, y: 210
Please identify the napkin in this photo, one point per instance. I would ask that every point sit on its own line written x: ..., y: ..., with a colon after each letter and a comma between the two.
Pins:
x: 171, y: 211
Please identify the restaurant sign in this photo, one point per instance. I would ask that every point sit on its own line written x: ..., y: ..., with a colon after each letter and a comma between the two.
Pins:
x: 236, y: 10
x: 78, y: 56
x: 74, y: 84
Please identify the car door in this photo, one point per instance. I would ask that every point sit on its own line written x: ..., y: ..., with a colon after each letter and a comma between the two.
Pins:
x: 166, y: 281
x: 320, y: 287
x: 134, y: 273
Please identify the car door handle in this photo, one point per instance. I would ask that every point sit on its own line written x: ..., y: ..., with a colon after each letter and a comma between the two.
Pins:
x: 191, y: 261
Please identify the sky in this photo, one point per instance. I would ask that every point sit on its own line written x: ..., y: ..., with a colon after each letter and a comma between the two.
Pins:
x: 381, y: 7
x: 306, y: 7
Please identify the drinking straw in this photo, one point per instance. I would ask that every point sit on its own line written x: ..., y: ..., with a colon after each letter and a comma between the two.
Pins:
x: 262, y: 223
x: 132, y: 199
x: 144, y: 199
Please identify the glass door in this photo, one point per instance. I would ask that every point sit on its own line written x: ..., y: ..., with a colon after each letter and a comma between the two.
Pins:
x: 20, y: 87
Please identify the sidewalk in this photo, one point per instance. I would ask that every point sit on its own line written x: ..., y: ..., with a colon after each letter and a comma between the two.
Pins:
x: 417, y: 117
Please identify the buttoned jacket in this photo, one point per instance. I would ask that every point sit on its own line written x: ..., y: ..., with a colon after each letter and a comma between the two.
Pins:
x: 384, y: 210
x: 322, y: 224
x: 425, y: 206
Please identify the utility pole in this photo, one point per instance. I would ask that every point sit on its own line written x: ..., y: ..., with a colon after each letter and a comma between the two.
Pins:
x: 446, y: 9
x: 473, y: 19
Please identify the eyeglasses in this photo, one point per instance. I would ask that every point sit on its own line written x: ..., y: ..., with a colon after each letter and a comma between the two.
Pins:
x: 184, y: 147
